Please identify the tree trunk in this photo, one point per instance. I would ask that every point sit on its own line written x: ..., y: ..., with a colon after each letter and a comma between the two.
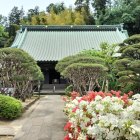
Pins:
x: 106, y: 86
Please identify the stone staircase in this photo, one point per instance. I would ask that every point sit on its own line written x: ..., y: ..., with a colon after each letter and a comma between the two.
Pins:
x: 53, y: 89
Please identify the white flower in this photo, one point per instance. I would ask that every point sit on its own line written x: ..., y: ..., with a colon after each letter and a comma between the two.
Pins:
x: 107, y: 99
x: 136, y: 96
x: 79, y: 113
x: 93, y: 130
x: 82, y: 136
x: 94, y: 118
x: 110, y: 135
x: 70, y: 105
x: 98, y: 98
x: 116, y: 107
x: 83, y: 104
x: 135, y: 128
x: 99, y: 107
x: 70, y: 135
x: 107, y: 118
x: 75, y: 101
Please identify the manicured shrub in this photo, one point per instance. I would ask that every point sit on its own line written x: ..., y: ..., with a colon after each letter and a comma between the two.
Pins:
x: 10, y: 108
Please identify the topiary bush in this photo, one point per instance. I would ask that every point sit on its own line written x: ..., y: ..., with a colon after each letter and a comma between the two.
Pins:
x: 10, y: 108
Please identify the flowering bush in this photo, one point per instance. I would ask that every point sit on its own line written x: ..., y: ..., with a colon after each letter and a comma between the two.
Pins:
x: 102, y: 116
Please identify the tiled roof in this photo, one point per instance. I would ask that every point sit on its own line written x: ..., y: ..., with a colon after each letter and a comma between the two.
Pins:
x: 52, y: 43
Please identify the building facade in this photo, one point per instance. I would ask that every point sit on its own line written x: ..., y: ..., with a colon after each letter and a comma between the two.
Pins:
x: 49, y: 44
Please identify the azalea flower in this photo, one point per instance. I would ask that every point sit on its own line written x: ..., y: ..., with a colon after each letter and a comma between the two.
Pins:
x: 99, y: 115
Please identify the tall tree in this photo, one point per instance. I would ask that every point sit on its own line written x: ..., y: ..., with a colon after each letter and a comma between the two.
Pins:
x: 3, y: 21
x: 123, y: 11
x: 30, y: 14
x: 83, y: 6
x: 11, y: 34
x: 99, y: 6
x: 16, y: 15
x: 57, y: 8
x: 36, y: 10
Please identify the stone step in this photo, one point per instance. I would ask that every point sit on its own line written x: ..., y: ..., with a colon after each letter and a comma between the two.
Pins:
x: 52, y: 86
x: 51, y: 92
x: 7, y: 131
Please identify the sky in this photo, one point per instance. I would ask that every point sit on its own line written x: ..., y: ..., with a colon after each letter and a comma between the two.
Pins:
x: 7, y: 5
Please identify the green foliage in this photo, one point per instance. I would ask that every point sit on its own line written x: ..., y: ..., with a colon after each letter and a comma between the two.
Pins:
x: 68, y: 90
x: 10, y: 35
x: 12, y: 29
x: 10, y: 108
x: 100, y: 6
x: 82, y: 70
x: 66, y: 17
x: 82, y: 58
x: 107, y: 53
x: 3, y: 20
x: 84, y: 8
x: 57, y: 14
x: 18, y: 70
x: 123, y: 12
x: 9, y: 42
x: 89, y: 12
x: 3, y: 36
x: 128, y: 65
x: 133, y: 39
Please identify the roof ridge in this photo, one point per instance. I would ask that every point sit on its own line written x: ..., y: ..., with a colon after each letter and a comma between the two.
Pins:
x: 70, y: 27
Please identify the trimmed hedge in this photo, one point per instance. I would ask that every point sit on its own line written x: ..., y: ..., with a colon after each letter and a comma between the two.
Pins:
x: 10, y: 108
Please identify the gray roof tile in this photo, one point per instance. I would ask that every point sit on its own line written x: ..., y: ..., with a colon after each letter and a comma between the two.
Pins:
x: 57, y: 42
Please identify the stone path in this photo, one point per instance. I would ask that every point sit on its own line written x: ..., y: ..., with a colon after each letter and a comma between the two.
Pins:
x: 46, y: 122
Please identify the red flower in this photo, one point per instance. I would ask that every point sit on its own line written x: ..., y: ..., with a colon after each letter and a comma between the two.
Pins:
x: 102, y: 94
x: 79, y: 129
x: 125, y: 98
x: 92, y: 95
x: 67, y: 127
x: 74, y: 95
x: 118, y: 94
x: 130, y: 93
x: 109, y: 94
x: 67, y: 137
x: 74, y: 110
x: 113, y: 92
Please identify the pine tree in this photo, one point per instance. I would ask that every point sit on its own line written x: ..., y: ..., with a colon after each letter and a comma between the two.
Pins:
x: 128, y: 65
